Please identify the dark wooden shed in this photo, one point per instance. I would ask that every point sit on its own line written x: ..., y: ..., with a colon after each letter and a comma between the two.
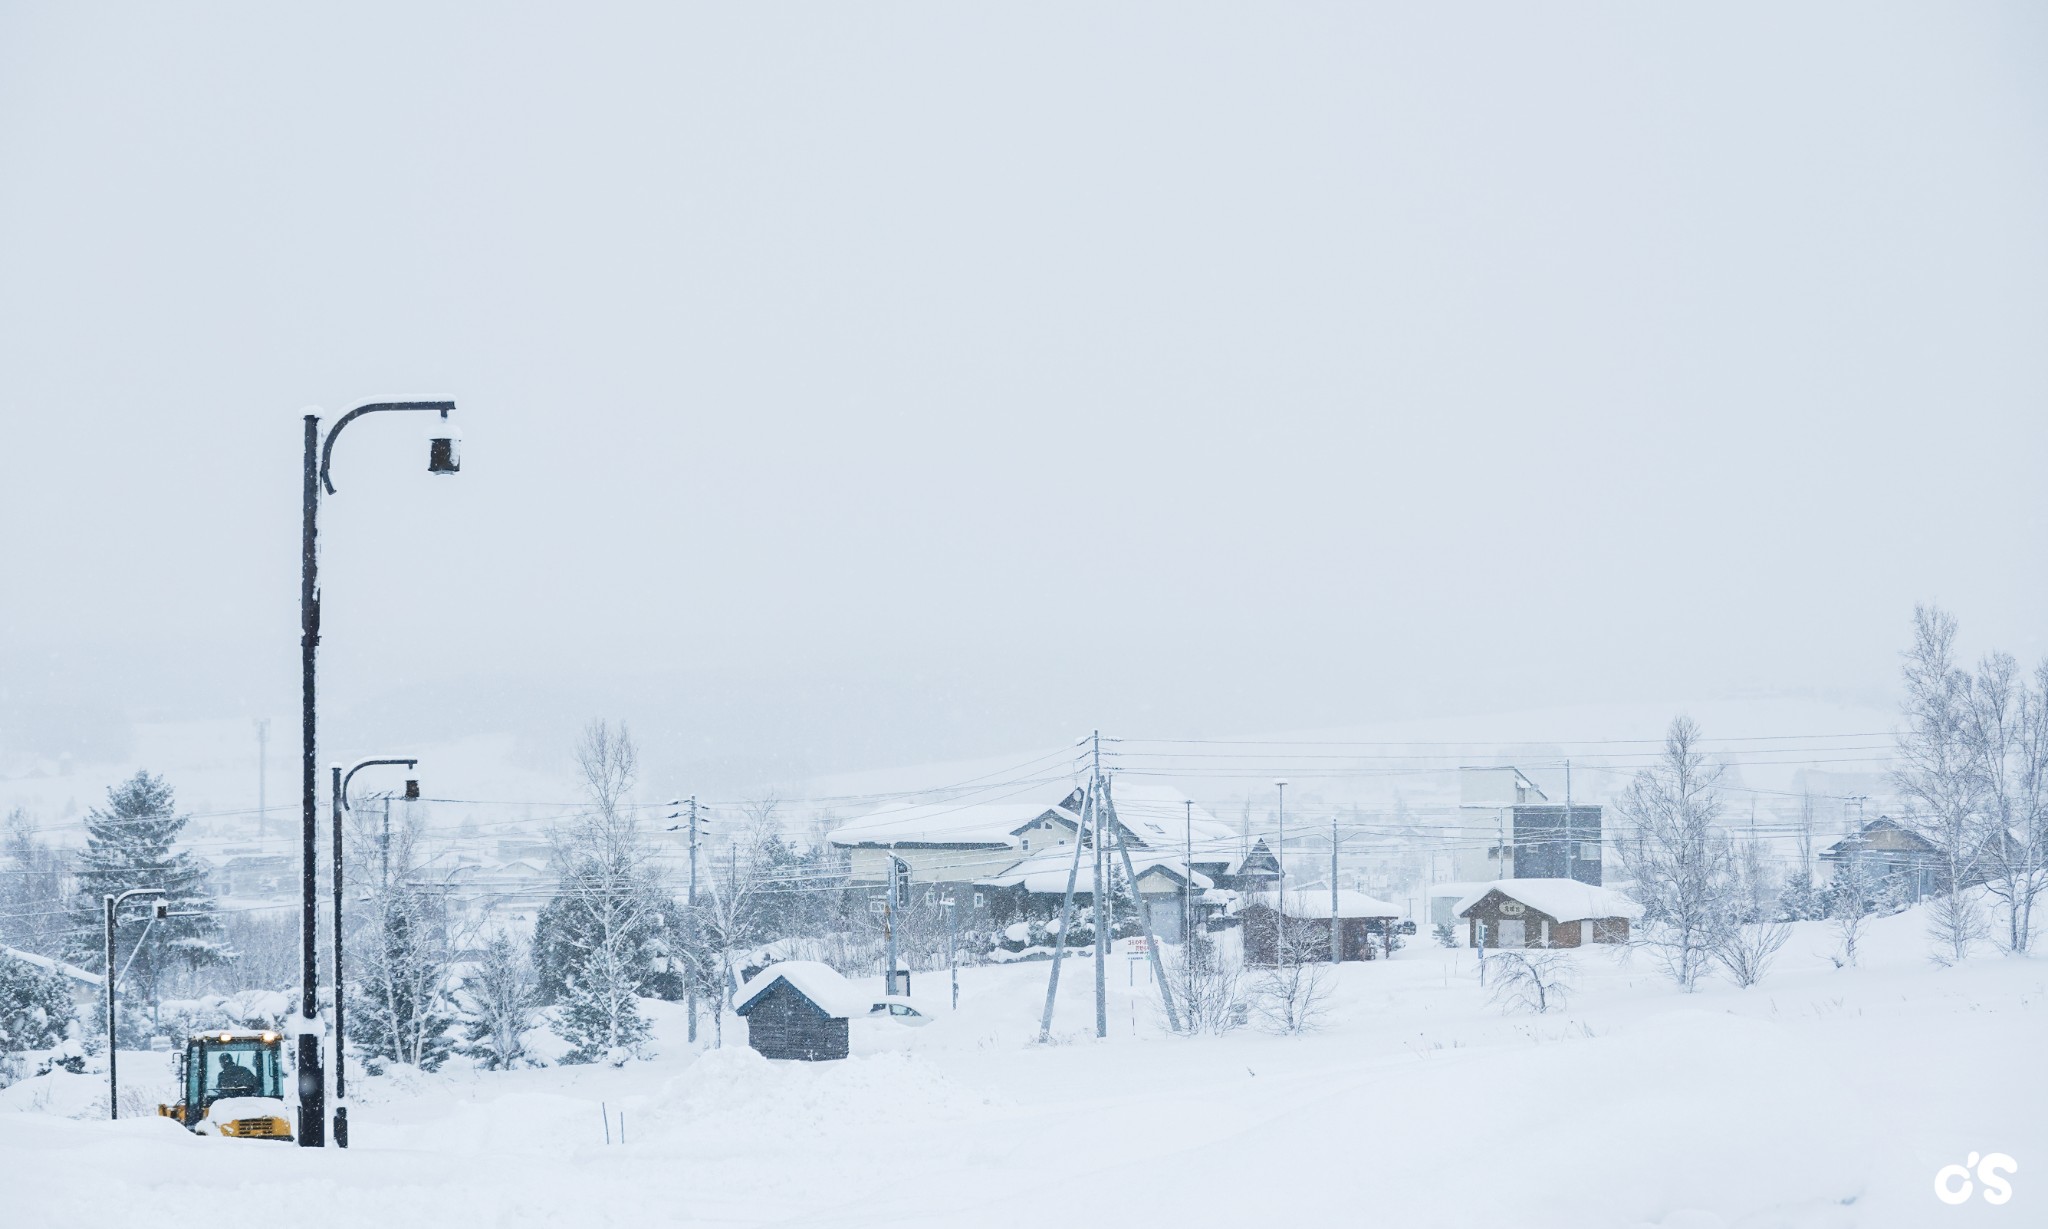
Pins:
x: 798, y: 1010
x: 1362, y: 922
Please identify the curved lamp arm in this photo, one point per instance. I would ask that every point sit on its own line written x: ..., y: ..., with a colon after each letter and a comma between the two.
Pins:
x: 327, y: 449
x: 366, y: 763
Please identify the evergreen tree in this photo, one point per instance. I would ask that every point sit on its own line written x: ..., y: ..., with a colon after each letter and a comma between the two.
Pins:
x: 399, y: 952
x: 399, y: 1007
x: 34, y: 900
x: 35, y: 1008
x: 598, y: 942
x: 130, y: 843
x: 497, y: 1001
x: 1800, y: 901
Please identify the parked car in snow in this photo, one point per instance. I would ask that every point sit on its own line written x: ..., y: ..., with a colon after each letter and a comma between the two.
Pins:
x: 902, y: 1010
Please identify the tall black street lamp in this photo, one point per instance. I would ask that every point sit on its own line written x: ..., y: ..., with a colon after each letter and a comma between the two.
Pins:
x: 341, y: 780
x: 442, y: 458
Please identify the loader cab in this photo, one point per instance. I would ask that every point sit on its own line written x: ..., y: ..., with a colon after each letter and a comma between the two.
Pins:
x: 232, y: 1065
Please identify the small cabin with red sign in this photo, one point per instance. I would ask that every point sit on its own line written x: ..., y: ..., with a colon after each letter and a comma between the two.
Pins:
x: 1546, y: 913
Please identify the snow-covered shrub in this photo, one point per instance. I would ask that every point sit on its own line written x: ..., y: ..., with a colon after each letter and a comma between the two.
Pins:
x: 1292, y: 996
x: 1536, y: 981
x: 1746, y: 952
x: 1955, y: 924
x: 1446, y: 935
x: 1208, y: 987
x: 35, y: 1007
x: 1800, y: 901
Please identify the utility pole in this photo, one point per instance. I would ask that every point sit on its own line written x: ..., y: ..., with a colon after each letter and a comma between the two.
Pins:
x: 1102, y: 910
x: 262, y: 780
x: 1145, y: 920
x: 953, y: 949
x: 1280, y: 882
x: 693, y: 909
x: 1336, y: 924
x: 1571, y: 832
x: 384, y: 848
x: 1059, y: 946
x: 899, y: 884
x: 1187, y: 893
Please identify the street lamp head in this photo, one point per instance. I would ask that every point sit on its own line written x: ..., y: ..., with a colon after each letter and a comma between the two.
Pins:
x: 444, y: 447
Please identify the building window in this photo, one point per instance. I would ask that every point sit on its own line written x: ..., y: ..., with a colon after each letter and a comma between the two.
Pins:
x: 1027, y: 844
x: 929, y: 897
x: 980, y: 901
x: 1589, y: 851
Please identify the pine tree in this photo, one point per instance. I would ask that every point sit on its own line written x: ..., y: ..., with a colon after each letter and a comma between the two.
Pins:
x: 497, y: 1002
x: 131, y: 844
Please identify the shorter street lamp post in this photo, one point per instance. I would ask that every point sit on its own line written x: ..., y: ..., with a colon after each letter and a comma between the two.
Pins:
x: 341, y: 780
x: 163, y: 909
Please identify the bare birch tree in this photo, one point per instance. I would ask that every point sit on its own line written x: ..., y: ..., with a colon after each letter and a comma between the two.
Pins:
x: 2006, y: 729
x: 597, y: 940
x: 1675, y: 851
x: 1939, y: 771
x: 1747, y: 942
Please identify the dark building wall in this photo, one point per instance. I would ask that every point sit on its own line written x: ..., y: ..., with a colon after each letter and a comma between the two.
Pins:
x: 1490, y: 914
x: 1546, y: 847
x: 784, y: 1024
x: 1309, y: 935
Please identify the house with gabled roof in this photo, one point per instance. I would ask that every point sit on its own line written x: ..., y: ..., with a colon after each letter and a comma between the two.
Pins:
x: 1546, y: 913
x: 992, y: 858
x: 1886, y: 849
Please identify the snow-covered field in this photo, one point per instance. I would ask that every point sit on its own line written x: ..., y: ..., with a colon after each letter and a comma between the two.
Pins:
x: 1822, y: 1097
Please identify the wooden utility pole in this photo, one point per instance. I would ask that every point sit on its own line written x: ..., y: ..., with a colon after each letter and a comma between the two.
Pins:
x: 1059, y: 945
x: 1103, y: 914
x: 1145, y: 919
x: 693, y: 911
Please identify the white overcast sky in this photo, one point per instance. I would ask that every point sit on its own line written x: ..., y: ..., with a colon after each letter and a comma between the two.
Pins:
x: 884, y: 380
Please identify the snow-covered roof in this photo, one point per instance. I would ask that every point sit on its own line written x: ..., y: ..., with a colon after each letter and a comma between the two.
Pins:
x: 947, y: 823
x: 1565, y: 900
x: 1044, y: 871
x: 1156, y: 812
x: 1315, y: 903
x: 48, y: 965
x: 820, y: 983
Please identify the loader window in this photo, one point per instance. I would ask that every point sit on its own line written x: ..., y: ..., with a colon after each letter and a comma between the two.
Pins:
x: 240, y: 1069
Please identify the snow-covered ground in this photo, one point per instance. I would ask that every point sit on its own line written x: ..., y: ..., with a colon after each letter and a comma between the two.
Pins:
x: 1822, y: 1097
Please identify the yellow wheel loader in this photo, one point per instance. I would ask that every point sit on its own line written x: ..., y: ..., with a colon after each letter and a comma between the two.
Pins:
x: 231, y: 1083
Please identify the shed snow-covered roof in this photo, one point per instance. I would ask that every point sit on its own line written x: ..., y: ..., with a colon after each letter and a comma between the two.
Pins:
x: 820, y: 983
x: 47, y: 965
x: 1565, y: 900
x: 1315, y: 903
x: 947, y: 823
